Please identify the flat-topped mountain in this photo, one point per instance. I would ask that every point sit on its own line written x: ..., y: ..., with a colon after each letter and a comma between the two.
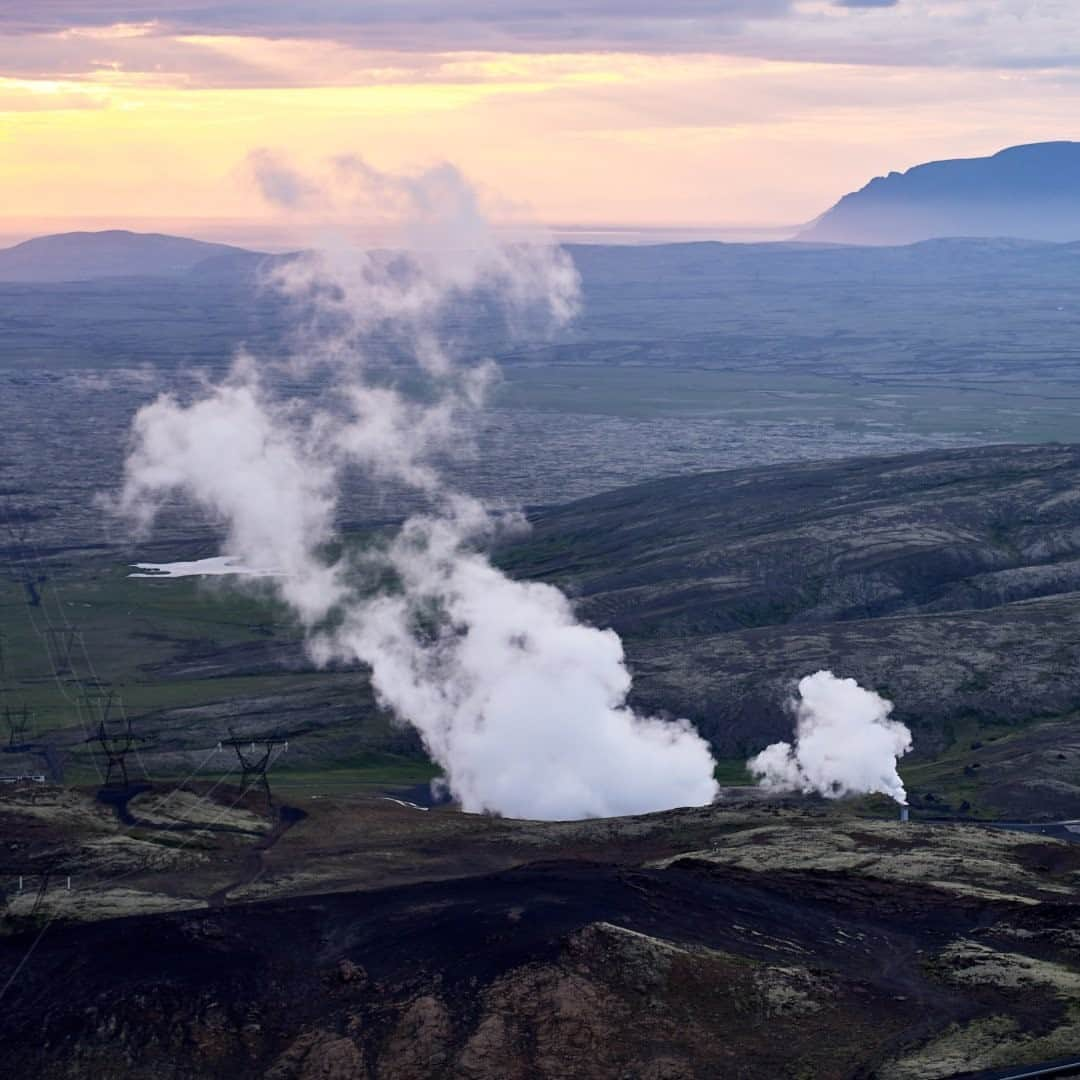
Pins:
x: 88, y: 256
x: 1031, y: 192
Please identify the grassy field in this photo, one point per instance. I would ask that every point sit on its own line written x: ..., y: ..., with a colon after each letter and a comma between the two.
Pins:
x: 200, y: 645
x: 131, y: 627
x: 101, y: 627
x: 359, y: 774
x: 732, y: 772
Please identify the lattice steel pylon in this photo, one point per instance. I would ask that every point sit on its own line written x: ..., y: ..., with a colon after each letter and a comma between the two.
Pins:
x: 18, y: 532
x: 16, y: 718
x: 115, y: 741
x: 60, y: 641
x: 115, y: 750
x: 17, y: 723
x: 254, y: 763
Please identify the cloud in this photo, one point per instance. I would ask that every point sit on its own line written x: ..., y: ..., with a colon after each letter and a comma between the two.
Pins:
x: 30, y: 96
x: 405, y: 23
x: 523, y: 706
x: 258, y: 43
x: 138, y: 59
x: 280, y: 184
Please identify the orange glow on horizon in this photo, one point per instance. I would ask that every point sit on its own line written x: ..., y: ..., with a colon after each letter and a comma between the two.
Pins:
x: 584, y: 138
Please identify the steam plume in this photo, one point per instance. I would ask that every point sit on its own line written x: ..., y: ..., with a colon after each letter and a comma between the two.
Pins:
x: 522, y: 705
x: 845, y: 743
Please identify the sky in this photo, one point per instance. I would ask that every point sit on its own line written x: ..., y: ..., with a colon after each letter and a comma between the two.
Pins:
x: 621, y: 113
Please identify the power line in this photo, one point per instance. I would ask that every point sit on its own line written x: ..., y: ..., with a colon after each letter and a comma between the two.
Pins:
x: 97, y: 700
x: 104, y: 884
x: 58, y: 641
x: 107, y: 882
x: 254, y: 763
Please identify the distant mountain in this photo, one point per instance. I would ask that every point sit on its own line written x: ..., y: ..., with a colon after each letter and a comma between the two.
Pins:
x: 87, y: 256
x: 1029, y: 192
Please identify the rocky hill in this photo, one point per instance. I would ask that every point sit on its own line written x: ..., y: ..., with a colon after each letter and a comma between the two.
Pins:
x: 950, y: 581
x: 746, y: 941
x: 1029, y: 192
x: 210, y: 933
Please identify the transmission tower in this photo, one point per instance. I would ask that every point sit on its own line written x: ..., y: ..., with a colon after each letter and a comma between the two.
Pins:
x: 16, y: 718
x: 60, y: 641
x: 254, y: 756
x: 114, y: 752
x: 17, y: 721
x: 18, y: 530
x: 115, y: 739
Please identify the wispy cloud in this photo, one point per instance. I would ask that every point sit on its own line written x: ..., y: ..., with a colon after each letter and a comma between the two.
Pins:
x: 406, y: 24
x: 261, y: 43
x: 705, y: 103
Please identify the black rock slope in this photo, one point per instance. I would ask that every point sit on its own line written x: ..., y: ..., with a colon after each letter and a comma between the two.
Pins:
x: 948, y: 580
x: 553, y: 970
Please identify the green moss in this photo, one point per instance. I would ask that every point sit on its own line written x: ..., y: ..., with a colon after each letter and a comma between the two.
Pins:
x: 732, y: 772
x: 360, y: 772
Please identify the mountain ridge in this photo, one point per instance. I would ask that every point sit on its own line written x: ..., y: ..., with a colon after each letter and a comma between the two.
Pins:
x: 1025, y: 192
x: 58, y: 259
x: 110, y: 253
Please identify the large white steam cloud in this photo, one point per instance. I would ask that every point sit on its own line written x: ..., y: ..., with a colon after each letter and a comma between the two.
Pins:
x: 522, y: 705
x: 845, y: 743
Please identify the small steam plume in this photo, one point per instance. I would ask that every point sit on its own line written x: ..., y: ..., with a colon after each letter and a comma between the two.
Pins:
x: 522, y: 705
x: 845, y: 743
x: 278, y: 182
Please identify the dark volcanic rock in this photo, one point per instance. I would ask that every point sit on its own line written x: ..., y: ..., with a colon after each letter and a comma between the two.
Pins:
x: 947, y: 580
x: 559, y: 970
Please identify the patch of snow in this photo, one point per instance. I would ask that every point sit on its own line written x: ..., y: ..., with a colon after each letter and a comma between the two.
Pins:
x: 403, y: 802
x: 219, y: 564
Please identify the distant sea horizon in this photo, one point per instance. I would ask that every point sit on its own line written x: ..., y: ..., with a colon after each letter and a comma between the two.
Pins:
x: 278, y: 237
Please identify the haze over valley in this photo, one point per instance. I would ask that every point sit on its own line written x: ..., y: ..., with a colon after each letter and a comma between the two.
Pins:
x: 684, y: 357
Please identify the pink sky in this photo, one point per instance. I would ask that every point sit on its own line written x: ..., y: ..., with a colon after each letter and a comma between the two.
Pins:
x: 731, y: 112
